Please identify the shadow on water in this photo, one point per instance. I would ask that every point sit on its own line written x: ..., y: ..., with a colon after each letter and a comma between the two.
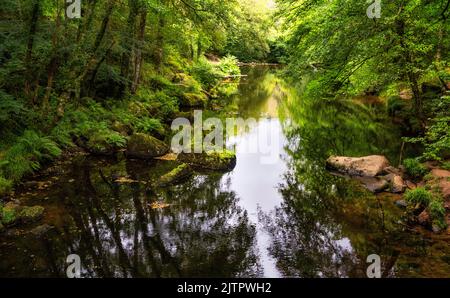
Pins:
x: 288, y: 218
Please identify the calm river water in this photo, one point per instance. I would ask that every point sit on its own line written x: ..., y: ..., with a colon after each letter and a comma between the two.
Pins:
x: 277, y: 214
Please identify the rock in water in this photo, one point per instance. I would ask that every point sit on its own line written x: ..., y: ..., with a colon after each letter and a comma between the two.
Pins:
x: 143, y: 146
x: 397, y: 184
x: 179, y: 173
x: 41, y: 230
x: 368, y: 166
x: 31, y: 214
x: 424, y: 218
x: 373, y: 184
x: 218, y: 161
x: 401, y: 204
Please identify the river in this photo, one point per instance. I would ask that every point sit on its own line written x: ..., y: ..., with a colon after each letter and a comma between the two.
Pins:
x: 279, y: 213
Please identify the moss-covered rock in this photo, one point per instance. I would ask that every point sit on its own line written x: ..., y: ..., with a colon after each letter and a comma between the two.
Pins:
x: 193, y: 100
x: 103, y: 142
x: 181, y: 172
x: 143, y: 146
x: 9, y: 214
x: 12, y: 214
x: 31, y: 214
x: 218, y: 161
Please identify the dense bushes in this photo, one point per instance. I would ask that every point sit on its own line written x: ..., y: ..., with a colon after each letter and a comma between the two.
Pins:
x: 414, y: 168
x: 419, y: 196
x: 210, y: 75
x: 426, y: 200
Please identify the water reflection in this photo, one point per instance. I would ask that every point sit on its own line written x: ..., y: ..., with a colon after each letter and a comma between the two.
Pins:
x: 327, y: 225
x: 116, y: 232
x: 290, y: 218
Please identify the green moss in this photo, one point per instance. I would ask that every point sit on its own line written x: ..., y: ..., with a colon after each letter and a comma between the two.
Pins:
x: 9, y: 214
x: 31, y: 214
x: 5, y: 186
x: 212, y: 160
x: 419, y: 196
x: 177, y: 174
x: 193, y: 100
x: 437, y: 212
x: 145, y: 146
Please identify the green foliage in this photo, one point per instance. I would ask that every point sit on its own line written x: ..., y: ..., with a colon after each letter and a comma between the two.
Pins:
x: 437, y: 213
x: 436, y: 140
x: 12, y: 113
x: 414, y: 168
x: 229, y: 66
x: 446, y: 165
x: 419, y: 196
x: 251, y: 31
x: 210, y: 75
x: 206, y: 73
x: 5, y: 186
x: 27, y: 154
x: 8, y: 215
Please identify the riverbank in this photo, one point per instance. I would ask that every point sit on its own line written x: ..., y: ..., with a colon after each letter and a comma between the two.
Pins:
x: 426, y: 188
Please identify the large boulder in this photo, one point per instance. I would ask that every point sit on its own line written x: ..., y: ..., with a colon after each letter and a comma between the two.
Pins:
x: 193, y: 100
x: 142, y: 146
x: 368, y: 166
x: 218, y: 161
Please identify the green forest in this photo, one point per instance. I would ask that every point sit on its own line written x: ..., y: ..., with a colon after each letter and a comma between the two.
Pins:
x: 127, y: 68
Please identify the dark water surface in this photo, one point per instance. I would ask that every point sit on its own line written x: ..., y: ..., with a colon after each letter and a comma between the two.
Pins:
x: 277, y: 214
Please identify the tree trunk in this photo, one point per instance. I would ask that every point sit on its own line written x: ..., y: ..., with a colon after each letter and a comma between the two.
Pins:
x: 29, y: 53
x: 159, y: 54
x: 53, y: 65
x: 138, y: 57
x: 128, y: 44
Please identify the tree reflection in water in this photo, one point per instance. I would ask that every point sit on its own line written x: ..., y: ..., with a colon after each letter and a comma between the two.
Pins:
x: 116, y: 232
x: 327, y: 225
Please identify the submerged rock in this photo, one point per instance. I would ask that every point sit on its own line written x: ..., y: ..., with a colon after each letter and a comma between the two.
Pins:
x: 2, y: 228
x: 143, y: 146
x: 179, y: 173
x: 41, y: 230
x: 410, y: 185
x: 401, y: 204
x: 373, y: 184
x: 219, y: 161
x: 31, y: 214
x: 13, y: 214
x: 10, y: 214
x: 424, y: 218
x: 369, y: 166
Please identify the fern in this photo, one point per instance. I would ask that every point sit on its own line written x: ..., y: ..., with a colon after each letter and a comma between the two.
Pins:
x: 27, y: 154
